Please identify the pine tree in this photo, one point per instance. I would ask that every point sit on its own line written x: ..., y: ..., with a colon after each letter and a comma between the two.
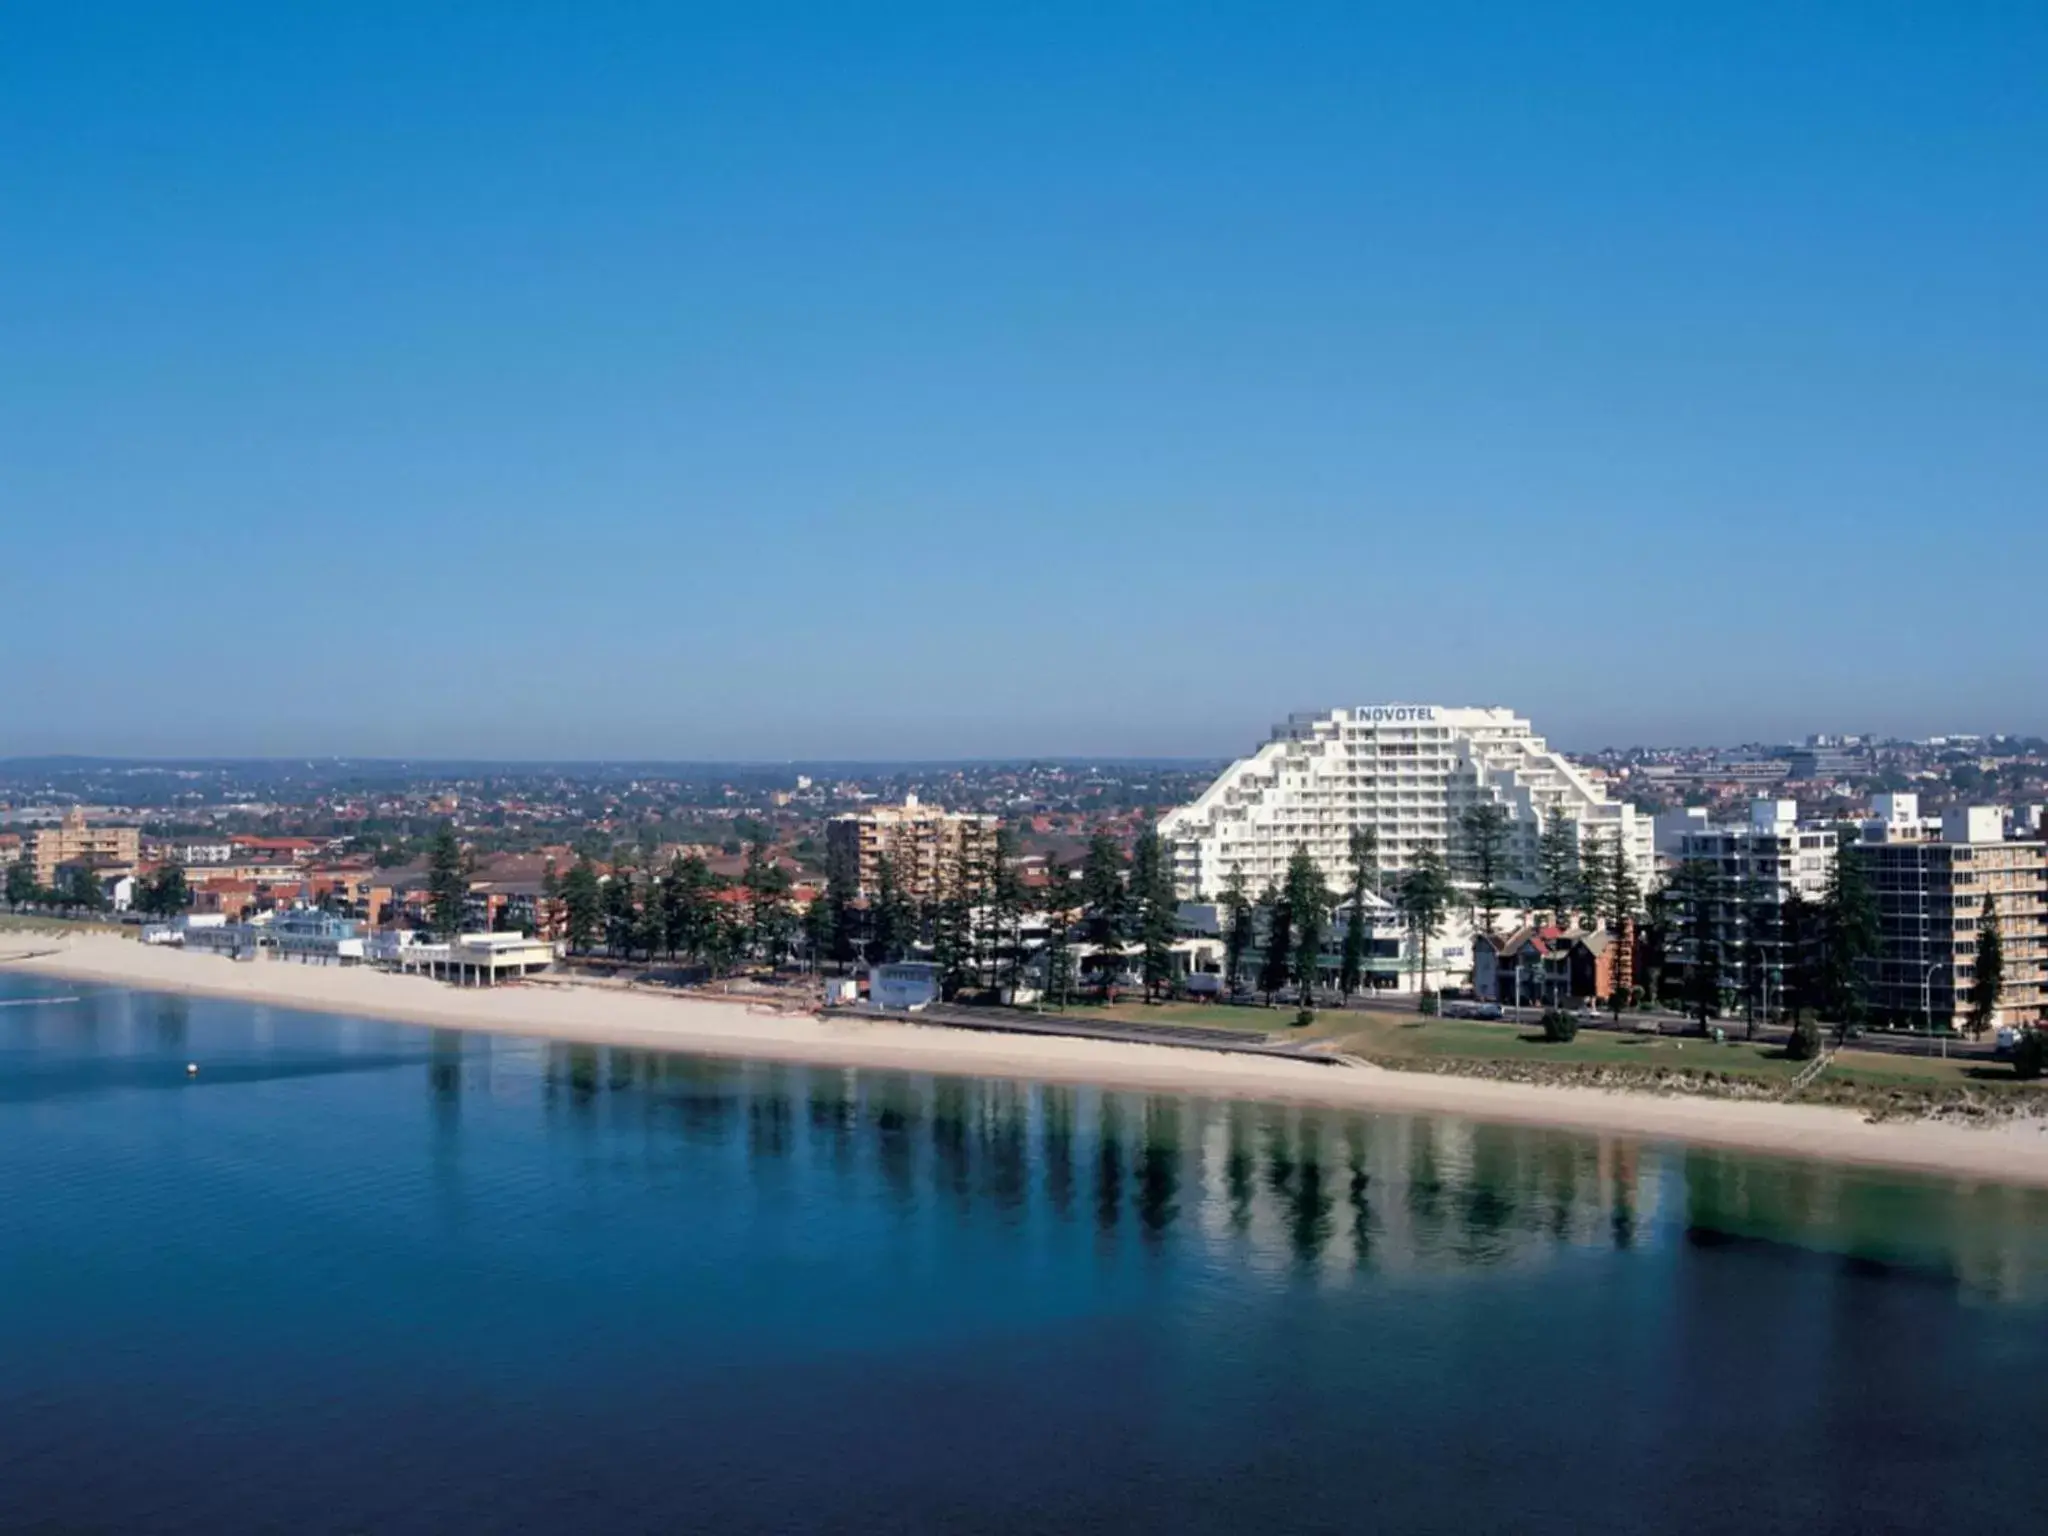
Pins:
x: 82, y: 890
x: 165, y: 893
x: 22, y: 889
x: 966, y: 901
x: 1365, y: 880
x: 1103, y: 903
x: 1424, y: 896
x: 1660, y: 937
x: 1278, y: 959
x: 949, y: 920
x: 1849, y: 927
x: 1006, y: 910
x: 723, y: 936
x: 1797, y: 983
x: 893, y: 922
x: 767, y: 886
x: 550, y: 913
x: 1696, y: 900
x: 1628, y: 902
x: 1557, y: 866
x: 697, y: 918
x: 619, y: 911
x: 583, y: 904
x: 1760, y: 940
x: 1239, y: 933
x: 1625, y: 893
x: 1057, y: 903
x: 1597, y: 863
x: 1483, y: 859
x: 1308, y: 914
x: 447, y: 886
x: 1157, y: 911
x: 1989, y: 980
x: 652, y: 925
x: 837, y: 928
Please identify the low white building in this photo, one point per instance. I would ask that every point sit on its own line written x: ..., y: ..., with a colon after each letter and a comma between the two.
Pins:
x: 302, y: 935
x: 1393, y: 961
x: 904, y: 985
x: 468, y: 960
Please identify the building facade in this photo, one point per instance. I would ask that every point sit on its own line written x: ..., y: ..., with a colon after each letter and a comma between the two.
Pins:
x: 73, y: 841
x: 1409, y: 772
x: 1770, y: 859
x: 1933, y: 896
x: 926, y: 847
x: 1728, y: 887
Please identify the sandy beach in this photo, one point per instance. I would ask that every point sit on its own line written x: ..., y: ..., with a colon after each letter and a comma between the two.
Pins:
x: 2007, y: 1152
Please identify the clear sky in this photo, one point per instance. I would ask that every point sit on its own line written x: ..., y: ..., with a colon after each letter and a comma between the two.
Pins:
x: 847, y: 380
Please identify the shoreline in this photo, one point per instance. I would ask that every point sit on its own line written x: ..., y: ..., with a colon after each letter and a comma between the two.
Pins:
x: 2011, y: 1152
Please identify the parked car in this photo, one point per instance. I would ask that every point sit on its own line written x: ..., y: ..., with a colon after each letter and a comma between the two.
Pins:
x: 1473, y: 1011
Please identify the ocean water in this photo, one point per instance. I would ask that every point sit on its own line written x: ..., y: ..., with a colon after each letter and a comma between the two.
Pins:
x: 356, y: 1276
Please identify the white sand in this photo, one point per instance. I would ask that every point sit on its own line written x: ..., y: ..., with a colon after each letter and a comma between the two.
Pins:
x: 2007, y: 1152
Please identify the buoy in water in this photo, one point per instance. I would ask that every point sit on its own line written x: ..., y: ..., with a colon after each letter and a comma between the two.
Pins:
x: 191, y: 1069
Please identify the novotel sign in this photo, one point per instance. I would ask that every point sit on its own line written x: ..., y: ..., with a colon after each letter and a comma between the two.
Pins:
x: 1386, y: 713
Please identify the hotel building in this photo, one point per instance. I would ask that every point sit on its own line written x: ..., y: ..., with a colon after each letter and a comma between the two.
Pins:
x: 1408, y: 771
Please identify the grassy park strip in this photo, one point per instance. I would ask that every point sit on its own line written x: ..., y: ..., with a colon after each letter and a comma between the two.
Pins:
x: 1878, y: 1082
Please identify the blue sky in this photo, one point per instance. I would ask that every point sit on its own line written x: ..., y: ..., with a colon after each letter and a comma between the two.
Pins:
x: 896, y: 380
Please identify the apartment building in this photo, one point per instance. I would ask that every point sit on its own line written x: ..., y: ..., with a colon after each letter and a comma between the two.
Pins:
x: 1896, y: 818
x: 73, y: 841
x: 1728, y: 882
x: 1770, y: 859
x: 1408, y: 771
x: 1932, y: 897
x: 925, y: 845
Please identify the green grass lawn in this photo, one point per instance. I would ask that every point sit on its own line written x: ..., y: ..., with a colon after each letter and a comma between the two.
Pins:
x: 1397, y: 1034
x: 1391, y: 1036
x: 1206, y: 1015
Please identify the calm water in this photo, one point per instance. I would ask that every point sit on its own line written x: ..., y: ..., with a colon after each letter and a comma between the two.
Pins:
x: 358, y: 1276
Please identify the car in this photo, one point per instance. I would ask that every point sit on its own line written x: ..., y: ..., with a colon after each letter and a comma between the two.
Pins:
x: 1473, y: 1011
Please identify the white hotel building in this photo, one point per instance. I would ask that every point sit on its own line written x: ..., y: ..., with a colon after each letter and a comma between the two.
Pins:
x: 1407, y: 770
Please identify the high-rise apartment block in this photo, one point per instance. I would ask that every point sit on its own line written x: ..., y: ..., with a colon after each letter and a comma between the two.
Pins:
x: 1935, y: 895
x: 72, y: 841
x: 927, y: 847
x: 1409, y: 772
x: 1769, y: 859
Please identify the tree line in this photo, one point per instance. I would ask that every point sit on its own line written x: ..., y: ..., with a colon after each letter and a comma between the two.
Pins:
x: 162, y: 893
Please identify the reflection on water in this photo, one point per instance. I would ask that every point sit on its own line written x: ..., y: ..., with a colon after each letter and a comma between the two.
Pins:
x: 355, y: 1276
x: 1321, y: 1190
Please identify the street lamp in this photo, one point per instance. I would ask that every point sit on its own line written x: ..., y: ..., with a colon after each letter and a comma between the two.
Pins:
x: 1927, y: 1003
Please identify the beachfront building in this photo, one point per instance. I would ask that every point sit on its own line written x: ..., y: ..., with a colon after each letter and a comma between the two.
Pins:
x: 1933, y: 895
x: 1393, y: 963
x: 1769, y: 859
x: 468, y: 960
x: 926, y: 847
x: 1409, y: 771
x: 74, y: 841
x: 1729, y: 886
x: 303, y: 935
